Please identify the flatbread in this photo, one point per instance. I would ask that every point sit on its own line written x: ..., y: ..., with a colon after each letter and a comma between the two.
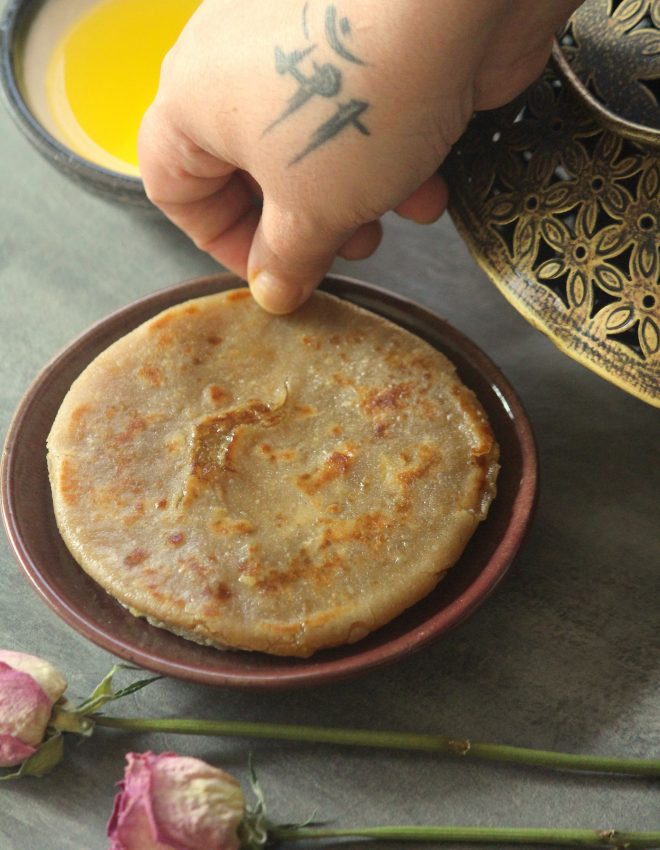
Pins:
x: 280, y: 484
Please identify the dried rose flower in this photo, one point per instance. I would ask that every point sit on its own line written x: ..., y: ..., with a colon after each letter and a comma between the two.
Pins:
x: 29, y: 687
x: 171, y: 802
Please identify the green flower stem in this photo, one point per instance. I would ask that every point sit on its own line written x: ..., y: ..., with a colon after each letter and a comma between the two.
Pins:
x: 476, y: 835
x: 460, y: 748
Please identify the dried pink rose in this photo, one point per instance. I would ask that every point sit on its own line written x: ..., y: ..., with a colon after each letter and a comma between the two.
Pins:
x: 171, y: 802
x: 29, y: 687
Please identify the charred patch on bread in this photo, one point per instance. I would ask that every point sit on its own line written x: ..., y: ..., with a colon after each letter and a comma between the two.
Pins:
x: 336, y: 465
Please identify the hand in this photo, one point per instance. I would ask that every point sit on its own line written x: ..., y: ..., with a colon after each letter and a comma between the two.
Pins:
x: 282, y: 132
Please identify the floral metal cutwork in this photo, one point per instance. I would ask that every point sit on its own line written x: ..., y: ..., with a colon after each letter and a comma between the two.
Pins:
x: 613, y: 47
x: 564, y: 216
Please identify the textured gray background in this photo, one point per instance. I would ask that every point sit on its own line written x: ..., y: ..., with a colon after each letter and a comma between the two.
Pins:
x: 565, y: 654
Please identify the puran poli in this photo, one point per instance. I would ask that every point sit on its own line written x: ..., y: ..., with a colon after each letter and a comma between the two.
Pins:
x: 280, y: 484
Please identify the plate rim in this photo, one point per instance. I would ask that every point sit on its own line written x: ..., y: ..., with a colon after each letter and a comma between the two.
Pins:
x: 312, y: 670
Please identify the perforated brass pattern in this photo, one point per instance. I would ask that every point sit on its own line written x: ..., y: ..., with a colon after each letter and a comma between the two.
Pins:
x: 563, y: 215
x: 610, y: 50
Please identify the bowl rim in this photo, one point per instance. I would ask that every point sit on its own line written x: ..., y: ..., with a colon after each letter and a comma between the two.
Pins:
x: 15, y: 22
x: 609, y: 119
x: 313, y: 670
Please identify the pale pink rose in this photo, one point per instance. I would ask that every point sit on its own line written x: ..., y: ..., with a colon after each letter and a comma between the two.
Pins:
x: 171, y: 802
x: 29, y: 686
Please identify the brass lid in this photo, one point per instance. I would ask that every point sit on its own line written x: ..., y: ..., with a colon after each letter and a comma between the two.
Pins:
x: 609, y: 52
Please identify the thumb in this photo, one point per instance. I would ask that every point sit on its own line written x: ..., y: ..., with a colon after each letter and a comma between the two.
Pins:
x: 289, y: 257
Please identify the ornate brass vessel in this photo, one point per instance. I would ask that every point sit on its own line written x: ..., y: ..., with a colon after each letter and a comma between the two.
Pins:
x: 561, y: 207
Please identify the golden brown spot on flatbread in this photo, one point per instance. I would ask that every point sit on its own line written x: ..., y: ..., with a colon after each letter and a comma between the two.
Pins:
x: 135, y: 557
x: 137, y: 425
x: 220, y: 597
x: 306, y: 409
x: 311, y: 341
x: 226, y: 525
x: 342, y: 380
x: 191, y: 310
x: 151, y: 374
x: 238, y: 295
x: 274, y: 455
x: 161, y: 504
x: 68, y: 482
x: 214, y: 339
x: 336, y: 465
x: 174, y: 445
x: 215, y: 435
x: 218, y: 395
x: 428, y: 456
x: 128, y: 484
x: 136, y: 514
x: 162, y: 321
x: 165, y: 340
x: 391, y: 398
x: 370, y: 529
x: 222, y: 592
x: 301, y: 568
x: 76, y: 420
x: 177, y: 538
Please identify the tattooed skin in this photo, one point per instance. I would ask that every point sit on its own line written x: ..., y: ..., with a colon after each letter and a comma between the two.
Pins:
x: 324, y: 81
x: 333, y: 37
x: 316, y: 79
x: 347, y: 113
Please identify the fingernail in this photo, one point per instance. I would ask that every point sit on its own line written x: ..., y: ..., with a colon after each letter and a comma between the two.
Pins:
x: 275, y: 295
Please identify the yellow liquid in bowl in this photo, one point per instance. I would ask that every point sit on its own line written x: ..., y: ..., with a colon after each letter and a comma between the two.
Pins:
x: 104, y: 72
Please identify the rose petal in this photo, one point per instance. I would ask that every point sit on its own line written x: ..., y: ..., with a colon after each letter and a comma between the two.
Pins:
x: 197, y: 806
x: 43, y: 672
x: 25, y: 707
x: 13, y: 751
x: 170, y: 802
x: 134, y: 831
x: 132, y: 825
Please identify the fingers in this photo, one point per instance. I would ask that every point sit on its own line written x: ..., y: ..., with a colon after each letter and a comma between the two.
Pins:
x: 204, y: 196
x: 427, y: 203
x: 363, y: 242
x: 285, y: 266
x: 291, y: 254
x: 214, y: 204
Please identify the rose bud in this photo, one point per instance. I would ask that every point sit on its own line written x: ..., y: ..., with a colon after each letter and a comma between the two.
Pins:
x: 171, y: 802
x: 29, y: 687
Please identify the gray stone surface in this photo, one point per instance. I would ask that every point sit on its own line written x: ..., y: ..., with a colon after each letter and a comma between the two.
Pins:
x: 565, y: 654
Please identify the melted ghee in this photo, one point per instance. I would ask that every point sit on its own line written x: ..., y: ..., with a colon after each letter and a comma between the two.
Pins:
x: 103, y: 74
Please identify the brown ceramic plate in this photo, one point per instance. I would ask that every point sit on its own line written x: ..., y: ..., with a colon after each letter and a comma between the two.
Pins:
x: 30, y: 523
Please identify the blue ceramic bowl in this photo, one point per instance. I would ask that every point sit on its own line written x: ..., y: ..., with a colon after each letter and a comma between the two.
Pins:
x: 17, y: 19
